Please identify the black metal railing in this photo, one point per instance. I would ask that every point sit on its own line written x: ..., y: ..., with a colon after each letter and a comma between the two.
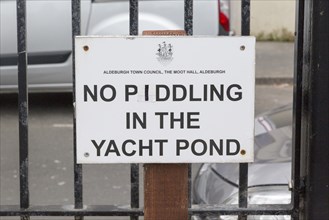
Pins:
x: 78, y: 210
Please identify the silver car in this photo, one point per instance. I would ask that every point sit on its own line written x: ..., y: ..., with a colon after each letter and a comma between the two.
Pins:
x: 49, y: 33
x: 269, y: 175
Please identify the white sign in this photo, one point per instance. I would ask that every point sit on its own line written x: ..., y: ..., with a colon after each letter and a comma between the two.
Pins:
x: 165, y: 99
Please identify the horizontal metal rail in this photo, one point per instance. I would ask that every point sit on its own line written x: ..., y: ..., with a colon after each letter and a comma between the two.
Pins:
x: 69, y: 210
x: 235, y: 210
x: 111, y: 210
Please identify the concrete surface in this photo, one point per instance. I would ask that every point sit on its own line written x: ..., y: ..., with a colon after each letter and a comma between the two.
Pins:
x: 274, y: 62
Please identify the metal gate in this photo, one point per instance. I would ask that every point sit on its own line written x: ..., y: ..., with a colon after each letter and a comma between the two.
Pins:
x: 310, y: 127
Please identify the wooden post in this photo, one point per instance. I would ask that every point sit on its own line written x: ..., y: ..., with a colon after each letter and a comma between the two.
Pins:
x: 166, y: 192
x: 165, y: 185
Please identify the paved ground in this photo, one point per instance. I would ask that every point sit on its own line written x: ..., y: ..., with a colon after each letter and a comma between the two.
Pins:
x: 274, y: 62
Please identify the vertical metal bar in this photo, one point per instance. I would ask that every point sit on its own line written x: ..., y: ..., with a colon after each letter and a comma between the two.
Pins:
x: 188, y: 17
x: 189, y: 173
x: 22, y: 106
x: 243, y: 188
x: 297, y: 106
x: 315, y: 111
x: 188, y: 27
x: 133, y: 17
x: 76, y: 30
x: 134, y: 194
x: 243, y: 167
x: 134, y: 168
x: 245, y: 17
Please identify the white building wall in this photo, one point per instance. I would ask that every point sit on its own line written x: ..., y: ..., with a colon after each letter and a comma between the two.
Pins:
x: 267, y: 16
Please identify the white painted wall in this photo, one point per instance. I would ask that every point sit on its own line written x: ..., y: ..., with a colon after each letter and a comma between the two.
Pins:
x: 266, y: 16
